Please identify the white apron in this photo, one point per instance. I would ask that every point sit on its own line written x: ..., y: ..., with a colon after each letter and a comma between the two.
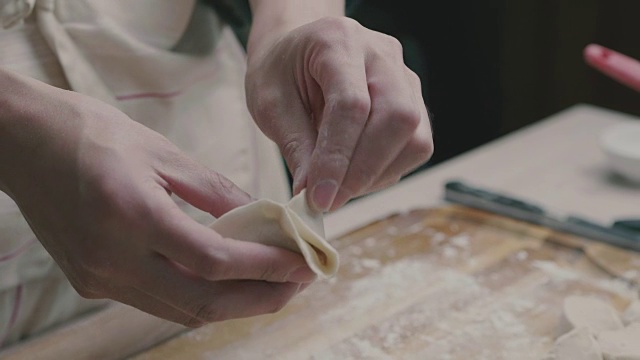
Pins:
x: 170, y: 65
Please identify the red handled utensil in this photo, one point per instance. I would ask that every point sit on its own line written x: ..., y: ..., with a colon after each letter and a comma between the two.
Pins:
x: 619, y: 67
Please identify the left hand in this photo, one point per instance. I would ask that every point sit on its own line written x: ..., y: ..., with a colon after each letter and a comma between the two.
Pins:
x: 346, y: 112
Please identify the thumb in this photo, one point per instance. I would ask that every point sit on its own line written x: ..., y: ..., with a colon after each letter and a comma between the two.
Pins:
x: 202, y: 187
x: 296, y: 138
x: 284, y: 119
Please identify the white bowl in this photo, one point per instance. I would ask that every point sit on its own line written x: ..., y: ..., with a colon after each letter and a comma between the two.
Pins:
x: 621, y: 143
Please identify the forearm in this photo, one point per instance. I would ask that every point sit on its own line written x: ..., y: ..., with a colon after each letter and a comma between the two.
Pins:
x: 272, y: 18
x: 11, y: 131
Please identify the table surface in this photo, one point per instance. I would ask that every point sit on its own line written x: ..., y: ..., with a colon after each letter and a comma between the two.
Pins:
x: 556, y: 162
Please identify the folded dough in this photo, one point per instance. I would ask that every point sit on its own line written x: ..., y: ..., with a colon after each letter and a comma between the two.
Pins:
x: 579, y: 343
x: 293, y: 226
x: 592, y: 313
x: 621, y: 344
x: 598, y: 332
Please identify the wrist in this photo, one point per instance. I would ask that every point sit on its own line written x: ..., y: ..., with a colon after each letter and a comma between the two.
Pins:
x: 9, y: 112
x: 274, y: 18
x: 21, y: 124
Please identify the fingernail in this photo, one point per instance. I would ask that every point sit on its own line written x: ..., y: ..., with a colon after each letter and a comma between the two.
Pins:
x: 302, y: 274
x: 324, y: 193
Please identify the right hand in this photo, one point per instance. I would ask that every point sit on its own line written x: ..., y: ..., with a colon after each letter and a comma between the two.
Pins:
x: 95, y: 188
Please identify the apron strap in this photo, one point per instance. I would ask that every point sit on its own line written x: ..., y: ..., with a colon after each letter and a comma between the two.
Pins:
x: 79, y: 73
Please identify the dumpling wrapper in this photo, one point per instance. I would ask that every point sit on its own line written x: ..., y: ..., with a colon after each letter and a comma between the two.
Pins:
x: 579, y: 343
x: 592, y: 313
x: 293, y: 226
x: 632, y: 313
x: 621, y: 344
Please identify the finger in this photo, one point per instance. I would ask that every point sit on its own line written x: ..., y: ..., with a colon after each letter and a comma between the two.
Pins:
x: 202, y: 187
x: 409, y: 160
x: 149, y: 304
x: 296, y: 141
x: 415, y: 149
x: 395, y: 115
x: 296, y: 148
x: 621, y: 68
x: 207, y: 254
x: 347, y: 104
x: 416, y: 153
x: 212, y: 301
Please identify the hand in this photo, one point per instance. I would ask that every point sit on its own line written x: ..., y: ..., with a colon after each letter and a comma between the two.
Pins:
x: 95, y: 187
x: 346, y: 112
x: 615, y: 65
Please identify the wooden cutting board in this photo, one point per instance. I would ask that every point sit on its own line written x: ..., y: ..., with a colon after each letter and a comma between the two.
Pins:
x: 442, y: 283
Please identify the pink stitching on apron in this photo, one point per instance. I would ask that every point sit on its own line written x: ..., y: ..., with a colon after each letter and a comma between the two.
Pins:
x: 22, y: 248
x: 170, y: 94
x: 14, y: 314
x: 165, y: 95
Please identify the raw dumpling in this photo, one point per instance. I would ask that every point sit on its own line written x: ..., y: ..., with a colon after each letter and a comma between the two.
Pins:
x: 578, y: 343
x: 598, y: 332
x: 621, y: 344
x: 632, y: 313
x: 293, y: 226
x: 592, y: 313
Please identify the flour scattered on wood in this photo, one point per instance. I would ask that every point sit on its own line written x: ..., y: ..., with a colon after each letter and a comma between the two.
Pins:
x: 522, y: 255
x: 419, y: 308
x: 559, y: 273
x: 438, y: 238
x: 460, y: 240
x: 453, y: 317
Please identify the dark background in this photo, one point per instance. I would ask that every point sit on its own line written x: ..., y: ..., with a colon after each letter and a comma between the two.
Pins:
x: 491, y: 67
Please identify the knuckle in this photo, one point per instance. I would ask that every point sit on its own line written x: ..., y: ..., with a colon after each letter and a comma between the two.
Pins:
x: 355, y: 105
x: 209, y: 313
x: 423, y: 148
x: 337, y: 157
x: 389, y: 49
x: 271, y: 273
x: 337, y: 28
x: 214, y: 180
x: 292, y: 148
x: 407, y: 119
x: 193, y: 323
x: 393, y: 44
x: 167, y: 152
x: 212, y: 265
